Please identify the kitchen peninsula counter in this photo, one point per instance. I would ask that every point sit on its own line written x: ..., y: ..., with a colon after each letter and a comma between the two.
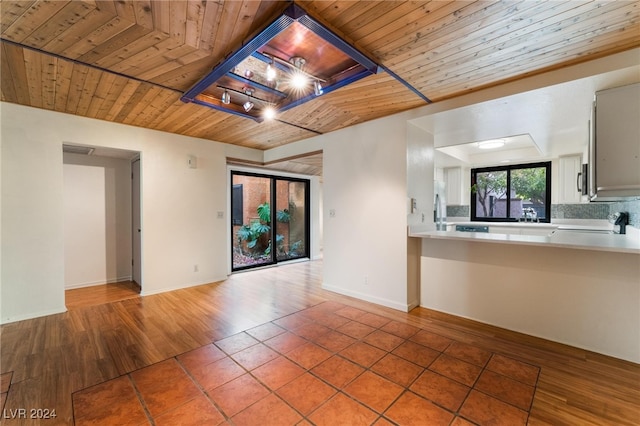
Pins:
x: 560, y: 238
x: 577, y: 288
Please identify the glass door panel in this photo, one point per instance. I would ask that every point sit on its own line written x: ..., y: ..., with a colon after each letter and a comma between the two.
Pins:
x: 251, y: 221
x: 291, y: 219
x: 491, y: 194
x: 263, y: 235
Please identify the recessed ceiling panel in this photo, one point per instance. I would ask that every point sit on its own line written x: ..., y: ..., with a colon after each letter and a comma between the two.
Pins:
x: 293, y: 60
x: 510, y: 149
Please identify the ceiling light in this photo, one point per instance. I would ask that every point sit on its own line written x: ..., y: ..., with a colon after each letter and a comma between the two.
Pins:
x: 226, y: 98
x: 248, y: 105
x: 491, y: 144
x: 269, y: 113
x: 299, y: 80
x: 271, y: 72
x: 317, y: 88
x: 296, y: 36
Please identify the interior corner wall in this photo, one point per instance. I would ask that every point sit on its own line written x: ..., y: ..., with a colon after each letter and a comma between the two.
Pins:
x: 97, y: 213
x: 180, y: 225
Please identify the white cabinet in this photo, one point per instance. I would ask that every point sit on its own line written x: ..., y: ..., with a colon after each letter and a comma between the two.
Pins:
x: 569, y: 179
x: 453, y: 179
x: 615, y: 153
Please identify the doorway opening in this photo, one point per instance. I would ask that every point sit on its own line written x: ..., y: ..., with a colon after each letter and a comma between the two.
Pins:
x: 101, y: 204
x: 270, y: 219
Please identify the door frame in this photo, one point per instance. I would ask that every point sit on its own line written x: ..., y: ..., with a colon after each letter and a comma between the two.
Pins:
x: 136, y: 221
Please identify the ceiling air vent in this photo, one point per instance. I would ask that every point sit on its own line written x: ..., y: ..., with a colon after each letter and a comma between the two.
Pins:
x: 76, y: 149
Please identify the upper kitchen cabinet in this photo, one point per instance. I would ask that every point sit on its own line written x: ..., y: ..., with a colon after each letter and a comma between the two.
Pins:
x: 454, y: 181
x: 615, y: 148
x: 570, y: 182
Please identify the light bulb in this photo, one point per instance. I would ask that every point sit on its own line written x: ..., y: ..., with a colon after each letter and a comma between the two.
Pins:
x: 269, y: 113
x: 299, y: 80
x: 271, y: 73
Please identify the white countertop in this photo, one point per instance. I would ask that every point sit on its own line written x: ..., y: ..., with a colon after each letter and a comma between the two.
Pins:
x: 575, y: 238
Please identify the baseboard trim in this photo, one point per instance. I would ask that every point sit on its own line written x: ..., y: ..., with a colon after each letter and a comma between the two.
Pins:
x: 166, y: 289
x: 95, y: 283
x: 366, y: 297
x: 8, y: 320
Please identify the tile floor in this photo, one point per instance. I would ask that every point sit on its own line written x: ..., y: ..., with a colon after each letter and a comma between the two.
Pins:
x: 327, y: 365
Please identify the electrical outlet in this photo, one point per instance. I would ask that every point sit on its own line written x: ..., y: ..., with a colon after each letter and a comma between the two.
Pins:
x: 220, y: 215
x: 366, y: 280
x: 195, y: 268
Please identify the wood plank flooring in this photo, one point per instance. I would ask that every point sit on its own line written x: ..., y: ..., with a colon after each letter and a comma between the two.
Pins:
x: 49, y: 358
x: 100, y: 294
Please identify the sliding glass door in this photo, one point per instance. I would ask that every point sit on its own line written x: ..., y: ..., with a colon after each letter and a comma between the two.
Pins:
x: 291, y: 219
x: 262, y: 235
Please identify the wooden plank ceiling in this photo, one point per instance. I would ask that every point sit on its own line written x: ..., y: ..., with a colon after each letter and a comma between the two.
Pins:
x: 129, y: 61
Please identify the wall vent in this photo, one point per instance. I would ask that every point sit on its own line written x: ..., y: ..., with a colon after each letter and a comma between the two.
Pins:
x: 76, y: 149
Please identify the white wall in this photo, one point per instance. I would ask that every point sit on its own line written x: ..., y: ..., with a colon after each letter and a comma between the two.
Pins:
x: 32, y: 221
x: 588, y: 299
x: 365, y: 243
x: 180, y: 227
x: 365, y: 183
x: 97, y: 220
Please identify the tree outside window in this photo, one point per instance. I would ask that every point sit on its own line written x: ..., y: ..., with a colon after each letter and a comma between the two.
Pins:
x: 511, y: 193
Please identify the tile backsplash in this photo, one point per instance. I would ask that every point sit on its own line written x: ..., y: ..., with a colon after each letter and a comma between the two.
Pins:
x: 599, y: 210
x: 458, y: 211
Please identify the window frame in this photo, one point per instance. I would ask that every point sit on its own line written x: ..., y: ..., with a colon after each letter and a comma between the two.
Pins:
x: 508, y: 168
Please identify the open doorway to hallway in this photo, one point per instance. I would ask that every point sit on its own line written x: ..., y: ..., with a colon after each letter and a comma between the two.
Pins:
x: 101, y: 225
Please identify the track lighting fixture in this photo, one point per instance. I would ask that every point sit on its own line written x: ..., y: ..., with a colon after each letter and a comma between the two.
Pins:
x: 293, y: 60
x: 248, y: 105
x: 271, y: 72
x: 226, y: 98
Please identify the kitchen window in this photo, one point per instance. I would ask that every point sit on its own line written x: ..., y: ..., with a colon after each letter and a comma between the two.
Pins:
x: 511, y: 193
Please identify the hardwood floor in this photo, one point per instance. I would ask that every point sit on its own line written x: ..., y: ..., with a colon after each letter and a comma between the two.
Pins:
x: 47, y: 359
x: 100, y: 294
